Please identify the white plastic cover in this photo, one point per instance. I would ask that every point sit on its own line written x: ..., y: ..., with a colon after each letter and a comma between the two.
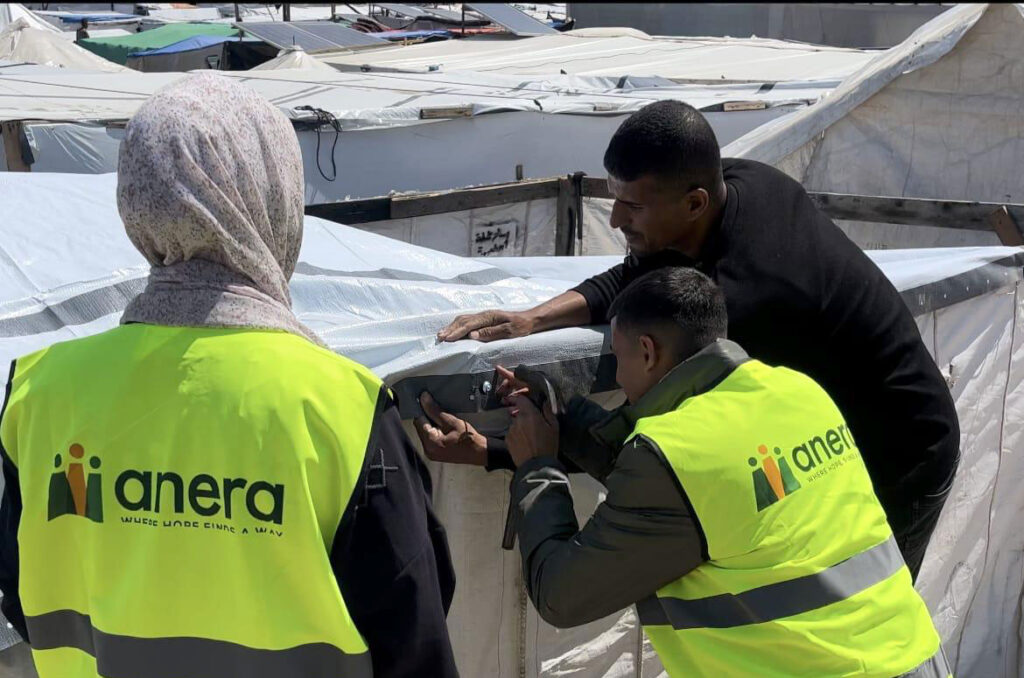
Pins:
x: 937, y: 116
x: 548, y: 125
x: 20, y: 42
x: 617, y: 53
x: 294, y: 58
x: 12, y: 11
x: 67, y: 270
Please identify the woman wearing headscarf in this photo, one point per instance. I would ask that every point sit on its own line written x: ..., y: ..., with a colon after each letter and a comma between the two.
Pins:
x: 206, y: 490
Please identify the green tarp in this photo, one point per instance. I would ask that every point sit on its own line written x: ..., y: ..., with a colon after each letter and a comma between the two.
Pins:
x: 118, y: 49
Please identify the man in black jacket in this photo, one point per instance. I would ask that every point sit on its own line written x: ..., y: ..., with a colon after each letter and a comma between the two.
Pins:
x: 799, y: 294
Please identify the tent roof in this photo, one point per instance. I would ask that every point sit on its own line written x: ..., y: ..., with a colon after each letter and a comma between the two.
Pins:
x: 293, y: 59
x: 374, y: 100
x: 118, y: 49
x: 11, y: 12
x: 774, y: 141
x: 186, y: 45
x: 680, y: 59
x: 22, y: 44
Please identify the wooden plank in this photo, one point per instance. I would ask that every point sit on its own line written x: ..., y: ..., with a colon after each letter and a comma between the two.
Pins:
x: 1006, y: 227
x: 12, y: 147
x: 353, y: 212
x: 958, y: 214
x: 564, y: 219
x: 594, y: 187
x: 422, y: 204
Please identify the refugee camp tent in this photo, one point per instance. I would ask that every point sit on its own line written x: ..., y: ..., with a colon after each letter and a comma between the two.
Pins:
x: 12, y: 11
x: 197, y: 52
x: 937, y: 116
x: 118, y: 49
x: 397, y: 132
x: 614, y: 52
x: 293, y: 58
x: 21, y: 43
x: 380, y: 302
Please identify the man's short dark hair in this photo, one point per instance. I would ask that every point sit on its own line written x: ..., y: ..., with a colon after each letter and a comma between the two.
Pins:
x: 668, y: 139
x: 679, y: 298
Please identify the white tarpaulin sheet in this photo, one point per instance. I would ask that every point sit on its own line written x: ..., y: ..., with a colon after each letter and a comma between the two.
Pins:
x: 937, y: 116
x: 549, y: 125
x: 294, y: 58
x: 617, y: 53
x: 20, y: 42
x: 67, y: 269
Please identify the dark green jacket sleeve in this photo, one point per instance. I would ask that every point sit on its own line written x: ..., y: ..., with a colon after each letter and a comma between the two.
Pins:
x: 642, y: 537
x: 579, y: 451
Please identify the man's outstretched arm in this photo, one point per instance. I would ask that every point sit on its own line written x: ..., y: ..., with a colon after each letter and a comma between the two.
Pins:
x: 568, y: 309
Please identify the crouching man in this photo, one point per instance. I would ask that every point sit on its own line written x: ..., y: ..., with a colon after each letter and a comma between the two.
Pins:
x: 740, y: 518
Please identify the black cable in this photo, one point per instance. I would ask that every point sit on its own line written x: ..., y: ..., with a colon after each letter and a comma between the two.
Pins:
x: 324, y: 118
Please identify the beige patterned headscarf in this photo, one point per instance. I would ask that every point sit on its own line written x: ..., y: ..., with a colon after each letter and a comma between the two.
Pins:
x: 211, y: 192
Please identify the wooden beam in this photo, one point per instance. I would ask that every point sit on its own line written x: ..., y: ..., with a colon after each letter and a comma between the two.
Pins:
x: 958, y: 214
x: 594, y: 187
x: 353, y: 212
x: 12, y: 135
x: 1006, y: 227
x: 422, y: 204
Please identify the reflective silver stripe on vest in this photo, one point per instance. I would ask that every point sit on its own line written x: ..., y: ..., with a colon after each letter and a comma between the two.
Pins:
x: 776, y: 601
x: 937, y: 666
x: 134, y: 657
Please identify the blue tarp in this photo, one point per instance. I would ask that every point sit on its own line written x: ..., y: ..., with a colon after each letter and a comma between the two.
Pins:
x: 94, y: 18
x: 186, y: 45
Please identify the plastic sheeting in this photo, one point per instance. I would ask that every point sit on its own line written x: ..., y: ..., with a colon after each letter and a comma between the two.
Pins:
x: 549, y: 125
x: 293, y: 59
x: 12, y: 11
x: 19, y: 42
x: 618, y: 53
x: 67, y: 270
x: 119, y: 49
x: 936, y: 117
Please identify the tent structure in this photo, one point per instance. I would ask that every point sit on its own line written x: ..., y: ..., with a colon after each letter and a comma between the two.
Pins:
x: 294, y: 58
x: 21, y: 43
x: 613, y: 52
x: 195, y: 53
x: 118, y: 49
x: 380, y: 302
x: 396, y: 132
x: 937, y: 116
x: 12, y: 11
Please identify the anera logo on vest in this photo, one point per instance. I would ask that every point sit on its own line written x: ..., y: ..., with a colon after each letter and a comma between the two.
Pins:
x: 773, y: 476
x: 71, y: 491
x: 77, y: 492
x: 774, y: 480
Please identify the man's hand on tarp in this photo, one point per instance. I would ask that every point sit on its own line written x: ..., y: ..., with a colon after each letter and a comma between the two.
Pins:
x: 488, y: 326
x: 446, y: 438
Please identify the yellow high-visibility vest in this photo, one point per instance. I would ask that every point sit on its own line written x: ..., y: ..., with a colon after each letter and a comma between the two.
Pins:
x: 803, y: 576
x: 181, y: 490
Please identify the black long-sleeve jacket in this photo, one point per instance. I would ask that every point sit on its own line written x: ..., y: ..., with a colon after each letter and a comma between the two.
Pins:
x: 801, y: 294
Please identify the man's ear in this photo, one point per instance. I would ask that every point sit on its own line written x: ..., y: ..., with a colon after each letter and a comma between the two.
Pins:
x: 697, y: 202
x: 649, y: 351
